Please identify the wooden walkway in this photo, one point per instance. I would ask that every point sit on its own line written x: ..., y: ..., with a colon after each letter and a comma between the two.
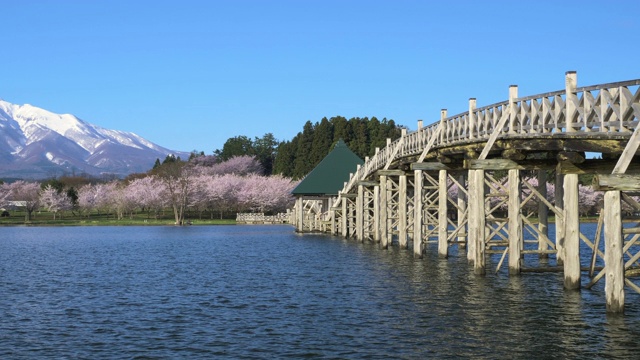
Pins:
x: 405, y: 195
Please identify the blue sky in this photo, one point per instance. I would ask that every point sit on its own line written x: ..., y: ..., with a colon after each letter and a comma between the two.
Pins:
x: 190, y: 74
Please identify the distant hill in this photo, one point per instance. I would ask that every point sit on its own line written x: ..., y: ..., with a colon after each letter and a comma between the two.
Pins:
x: 36, y: 144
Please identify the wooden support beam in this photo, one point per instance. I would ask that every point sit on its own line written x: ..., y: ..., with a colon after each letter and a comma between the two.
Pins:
x: 376, y: 213
x: 513, y: 154
x: 384, y: 216
x: 616, y: 182
x: 387, y: 172
x: 443, y: 245
x: 367, y: 183
x: 515, y: 223
x: 435, y: 166
x: 417, y: 213
x: 613, y: 254
x: 571, y: 156
x: 560, y: 223
x: 300, y: 214
x: 360, y: 214
x: 571, y: 233
x: 543, y: 216
x: 345, y: 215
x: 506, y: 164
x: 595, y: 166
x: 402, y: 212
x: 462, y: 211
x: 507, y: 115
x: 477, y: 220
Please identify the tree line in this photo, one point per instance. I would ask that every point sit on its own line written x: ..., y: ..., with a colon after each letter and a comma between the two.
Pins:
x: 295, y: 158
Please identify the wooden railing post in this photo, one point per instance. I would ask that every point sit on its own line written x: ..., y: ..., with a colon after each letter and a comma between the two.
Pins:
x: 443, y: 132
x: 513, y: 110
x: 571, y: 100
x: 473, y: 126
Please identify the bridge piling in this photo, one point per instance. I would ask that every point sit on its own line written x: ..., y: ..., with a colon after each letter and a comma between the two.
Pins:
x: 418, y: 214
x: 522, y: 137
x: 443, y: 224
x: 571, y: 233
x: 515, y: 223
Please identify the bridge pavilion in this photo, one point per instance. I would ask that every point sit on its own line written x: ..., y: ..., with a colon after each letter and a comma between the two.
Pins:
x: 320, y: 188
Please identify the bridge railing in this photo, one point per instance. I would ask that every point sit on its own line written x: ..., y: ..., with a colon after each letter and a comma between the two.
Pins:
x: 604, y: 108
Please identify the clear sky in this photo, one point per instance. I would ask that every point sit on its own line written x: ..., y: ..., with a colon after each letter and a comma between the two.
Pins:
x: 189, y: 74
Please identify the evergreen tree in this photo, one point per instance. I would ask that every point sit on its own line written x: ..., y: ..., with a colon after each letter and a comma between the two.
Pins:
x: 236, y: 146
x: 322, y: 141
x: 305, y: 145
x: 265, y: 150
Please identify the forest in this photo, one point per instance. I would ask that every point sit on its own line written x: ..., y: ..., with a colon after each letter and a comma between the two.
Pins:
x: 295, y: 158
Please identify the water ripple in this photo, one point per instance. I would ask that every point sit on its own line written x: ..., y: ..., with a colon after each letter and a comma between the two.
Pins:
x: 259, y: 292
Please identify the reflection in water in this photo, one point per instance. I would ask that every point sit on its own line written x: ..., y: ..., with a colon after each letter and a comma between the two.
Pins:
x: 265, y: 292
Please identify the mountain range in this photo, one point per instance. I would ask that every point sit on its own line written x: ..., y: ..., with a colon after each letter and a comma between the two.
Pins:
x: 36, y: 143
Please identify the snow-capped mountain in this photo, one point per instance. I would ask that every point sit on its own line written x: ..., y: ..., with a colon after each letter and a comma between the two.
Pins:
x: 36, y: 143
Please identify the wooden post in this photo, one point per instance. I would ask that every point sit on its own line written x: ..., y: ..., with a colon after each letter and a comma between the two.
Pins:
x: 560, y: 221
x: 570, y: 82
x: 471, y: 219
x: 300, y: 221
x: 345, y: 221
x: 402, y: 212
x: 613, y: 254
x: 543, y: 215
x: 376, y: 213
x: 332, y: 215
x: 443, y: 244
x: 417, y: 214
x: 513, y: 111
x: 360, y: 214
x: 515, y: 222
x: 477, y: 220
x: 462, y: 206
x: 473, y: 126
x: 572, y: 233
x: 384, y: 216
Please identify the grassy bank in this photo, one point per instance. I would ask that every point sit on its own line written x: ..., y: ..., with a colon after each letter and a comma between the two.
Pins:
x: 70, y: 219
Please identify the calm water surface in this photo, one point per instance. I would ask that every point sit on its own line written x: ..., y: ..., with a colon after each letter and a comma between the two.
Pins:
x: 264, y: 292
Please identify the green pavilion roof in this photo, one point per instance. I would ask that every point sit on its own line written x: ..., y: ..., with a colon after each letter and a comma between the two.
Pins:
x: 329, y: 176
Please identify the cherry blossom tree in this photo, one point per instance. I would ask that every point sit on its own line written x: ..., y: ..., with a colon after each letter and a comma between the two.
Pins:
x: 54, y: 200
x: 147, y: 193
x: 27, y: 194
x: 239, y: 165
x: 177, y: 178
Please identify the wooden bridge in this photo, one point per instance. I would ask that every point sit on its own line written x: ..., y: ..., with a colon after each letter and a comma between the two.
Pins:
x: 404, y: 194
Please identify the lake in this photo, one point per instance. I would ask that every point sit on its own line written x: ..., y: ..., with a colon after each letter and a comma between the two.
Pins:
x: 264, y: 292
